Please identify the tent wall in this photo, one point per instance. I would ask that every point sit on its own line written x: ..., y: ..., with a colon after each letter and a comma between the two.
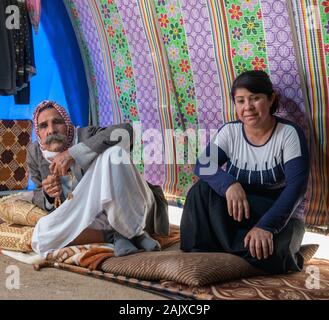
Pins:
x: 311, y: 31
x: 169, y: 64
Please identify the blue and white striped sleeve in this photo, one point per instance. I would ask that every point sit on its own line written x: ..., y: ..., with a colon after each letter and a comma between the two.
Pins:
x: 296, y: 168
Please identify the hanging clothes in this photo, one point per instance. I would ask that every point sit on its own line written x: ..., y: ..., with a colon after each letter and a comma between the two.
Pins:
x: 7, y: 55
x: 25, y: 64
x: 20, y: 66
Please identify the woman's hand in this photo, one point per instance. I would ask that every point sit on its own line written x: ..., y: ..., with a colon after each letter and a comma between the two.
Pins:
x: 237, y: 203
x: 260, y: 243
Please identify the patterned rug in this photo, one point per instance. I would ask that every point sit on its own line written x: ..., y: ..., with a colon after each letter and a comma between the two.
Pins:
x: 14, y: 138
x: 310, y: 284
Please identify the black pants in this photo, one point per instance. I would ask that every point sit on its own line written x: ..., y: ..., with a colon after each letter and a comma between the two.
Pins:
x: 207, y: 227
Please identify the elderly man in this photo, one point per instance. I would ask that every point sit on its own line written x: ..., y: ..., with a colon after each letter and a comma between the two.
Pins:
x: 107, y: 200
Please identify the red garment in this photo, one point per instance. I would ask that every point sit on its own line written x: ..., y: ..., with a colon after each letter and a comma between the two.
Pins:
x: 34, y: 8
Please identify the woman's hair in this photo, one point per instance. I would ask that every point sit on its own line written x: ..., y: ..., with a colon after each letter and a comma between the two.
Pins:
x: 256, y: 81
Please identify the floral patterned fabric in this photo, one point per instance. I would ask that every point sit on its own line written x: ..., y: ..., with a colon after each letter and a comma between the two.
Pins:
x: 169, y: 64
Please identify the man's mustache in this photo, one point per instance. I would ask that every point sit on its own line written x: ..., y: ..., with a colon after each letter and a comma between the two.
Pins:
x: 55, y: 137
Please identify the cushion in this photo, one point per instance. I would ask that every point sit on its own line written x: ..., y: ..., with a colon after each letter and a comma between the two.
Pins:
x: 308, y: 251
x: 21, y: 212
x: 193, y: 269
x: 14, y: 139
x: 15, y: 238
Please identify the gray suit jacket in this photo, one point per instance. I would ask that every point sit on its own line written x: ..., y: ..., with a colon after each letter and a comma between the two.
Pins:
x: 97, y: 140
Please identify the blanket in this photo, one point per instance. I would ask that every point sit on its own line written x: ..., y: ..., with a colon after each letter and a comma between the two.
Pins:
x: 91, y: 256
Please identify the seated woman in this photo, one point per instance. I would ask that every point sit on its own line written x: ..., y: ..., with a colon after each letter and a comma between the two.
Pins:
x: 251, y: 208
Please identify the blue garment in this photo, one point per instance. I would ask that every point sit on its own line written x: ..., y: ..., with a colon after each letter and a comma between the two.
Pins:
x: 281, y: 164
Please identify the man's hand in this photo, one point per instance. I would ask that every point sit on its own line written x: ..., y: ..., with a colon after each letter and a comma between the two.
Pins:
x: 61, y: 164
x: 237, y: 203
x: 260, y: 243
x: 52, y: 186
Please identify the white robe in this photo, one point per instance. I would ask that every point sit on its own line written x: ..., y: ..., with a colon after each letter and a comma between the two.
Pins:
x: 110, y: 185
